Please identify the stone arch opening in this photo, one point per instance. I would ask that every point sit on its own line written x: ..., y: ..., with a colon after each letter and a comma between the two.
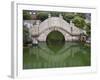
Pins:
x: 55, y: 40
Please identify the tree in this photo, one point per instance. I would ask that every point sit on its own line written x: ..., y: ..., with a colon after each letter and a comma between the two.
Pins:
x: 26, y: 15
x: 55, y: 14
x: 42, y: 15
x: 88, y: 29
x: 82, y: 15
x: 25, y: 35
x: 68, y: 16
x: 79, y: 22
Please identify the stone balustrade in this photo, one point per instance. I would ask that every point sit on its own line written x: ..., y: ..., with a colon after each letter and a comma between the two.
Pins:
x: 54, y: 23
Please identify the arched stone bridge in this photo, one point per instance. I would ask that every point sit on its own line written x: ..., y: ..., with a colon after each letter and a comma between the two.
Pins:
x: 41, y: 30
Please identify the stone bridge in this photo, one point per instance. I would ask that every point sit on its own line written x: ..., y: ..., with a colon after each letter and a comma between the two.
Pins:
x: 40, y: 30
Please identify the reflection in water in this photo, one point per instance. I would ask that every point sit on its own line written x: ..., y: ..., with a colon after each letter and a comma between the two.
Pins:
x: 42, y: 56
x: 55, y: 46
x: 55, y: 41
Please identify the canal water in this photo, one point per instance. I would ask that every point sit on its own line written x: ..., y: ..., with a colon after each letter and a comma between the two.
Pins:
x: 69, y: 54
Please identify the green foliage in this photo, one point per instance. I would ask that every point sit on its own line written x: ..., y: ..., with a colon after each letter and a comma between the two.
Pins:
x: 88, y: 26
x: 82, y: 15
x: 77, y: 18
x: 42, y: 15
x: 54, y: 14
x: 25, y: 35
x: 79, y: 22
x: 68, y: 16
x: 88, y: 29
x: 26, y: 15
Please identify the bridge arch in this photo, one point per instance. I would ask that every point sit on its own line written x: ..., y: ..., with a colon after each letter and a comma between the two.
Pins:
x: 43, y: 34
x: 69, y: 30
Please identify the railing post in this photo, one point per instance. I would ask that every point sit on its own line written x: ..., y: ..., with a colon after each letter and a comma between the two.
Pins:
x: 60, y: 19
x: 49, y: 16
x: 60, y: 16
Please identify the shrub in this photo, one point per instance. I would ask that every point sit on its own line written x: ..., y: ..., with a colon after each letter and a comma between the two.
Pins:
x: 88, y: 29
x: 26, y: 38
x: 79, y: 22
x: 26, y: 15
x: 68, y: 16
x: 42, y: 16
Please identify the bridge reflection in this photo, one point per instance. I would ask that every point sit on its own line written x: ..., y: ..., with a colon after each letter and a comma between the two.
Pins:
x: 71, y: 54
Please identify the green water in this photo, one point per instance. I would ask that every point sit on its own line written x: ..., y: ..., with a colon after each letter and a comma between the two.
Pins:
x: 71, y: 54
